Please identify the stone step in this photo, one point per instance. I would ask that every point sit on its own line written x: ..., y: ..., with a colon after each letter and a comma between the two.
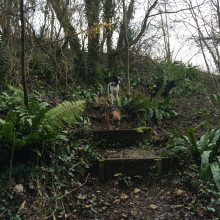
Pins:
x: 121, y: 138
x: 133, y: 162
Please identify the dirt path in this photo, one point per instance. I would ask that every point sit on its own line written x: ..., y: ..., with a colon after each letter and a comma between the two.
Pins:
x: 152, y: 199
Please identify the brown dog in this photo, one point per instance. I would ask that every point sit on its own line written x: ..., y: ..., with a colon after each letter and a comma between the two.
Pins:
x: 112, y: 116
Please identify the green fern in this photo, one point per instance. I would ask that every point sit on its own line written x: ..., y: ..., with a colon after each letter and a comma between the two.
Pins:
x: 65, y: 112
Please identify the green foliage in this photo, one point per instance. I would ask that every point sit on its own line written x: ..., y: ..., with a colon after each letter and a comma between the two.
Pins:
x: 186, y: 87
x: 186, y: 144
x: 173, y: 70
x: 215, y: 168
x: 145, y: 111
x: 83, y: 123
x: 185, y: 75
x: 31, y: 128
x: 35, y: 127
x: 161, y: 109
x: 37, y: 132
x: 63, y: 174
x: 11, y: 99
x: 125, y: 179
x: 206, y: 167
x: 215, y: 98
x: 180, y: 71
x: 206, y: 193
x: 132, y: 105
x: 40, y: 65
x: 91, y: 94
x: 133, y: 108
x: 65, y: 112
x: 159, y: 73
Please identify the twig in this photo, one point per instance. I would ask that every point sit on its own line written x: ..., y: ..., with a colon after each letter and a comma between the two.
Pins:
x: 38, y: 189
x: 64, y: 213
x: 52, y: 214
x: 75, y: 165
x: 3, y: 212
x: 75, y: 188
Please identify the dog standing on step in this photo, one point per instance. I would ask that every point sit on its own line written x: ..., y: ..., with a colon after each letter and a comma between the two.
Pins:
x: 113, y: 88
x: 112, y: 116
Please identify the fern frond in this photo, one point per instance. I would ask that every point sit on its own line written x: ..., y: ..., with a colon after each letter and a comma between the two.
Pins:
x: 66, y: 112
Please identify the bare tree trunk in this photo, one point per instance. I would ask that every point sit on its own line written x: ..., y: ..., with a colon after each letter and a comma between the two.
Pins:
x: 126, y: 50
x: 218, y: 12
x: 120, y: 50
x: 117, y: 56
x: 203, y: 53
x: 204, y: 40
x: 6, y: 8
x: 22, y: 53
x: 71, y: 35
x: 129, y: 14
x: 109, y: 12
x: 165, y: 30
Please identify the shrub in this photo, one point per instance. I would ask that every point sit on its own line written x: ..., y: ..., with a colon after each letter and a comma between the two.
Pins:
x: 35, y: 128
x: 145, y: 111
x: 207, y: 149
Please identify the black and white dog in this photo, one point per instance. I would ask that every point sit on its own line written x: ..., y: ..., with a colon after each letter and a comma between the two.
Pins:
x: 169, y: 85
x: 113, y: 88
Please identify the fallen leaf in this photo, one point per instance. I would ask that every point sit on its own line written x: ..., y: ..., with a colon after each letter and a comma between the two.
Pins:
x: 116, y: 201
x: 137, y: 190
x: 88, y: 206
x: 36, y: 205
x: 179, y: 192
x: 152, y: 206
x: 18, y: 188
x: 193, y: 199
x: 124, y: 196
x: 22, y: 206
x: 83, y: 197
x: 137, y: 176
x: 176, y: 206
x: 201, y: 211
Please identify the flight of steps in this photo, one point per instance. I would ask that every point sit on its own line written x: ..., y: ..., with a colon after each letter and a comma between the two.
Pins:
x: 120, y: 153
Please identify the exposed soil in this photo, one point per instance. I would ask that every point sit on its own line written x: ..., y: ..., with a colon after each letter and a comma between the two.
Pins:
x: 152, y: 198
x: 162, y: 198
